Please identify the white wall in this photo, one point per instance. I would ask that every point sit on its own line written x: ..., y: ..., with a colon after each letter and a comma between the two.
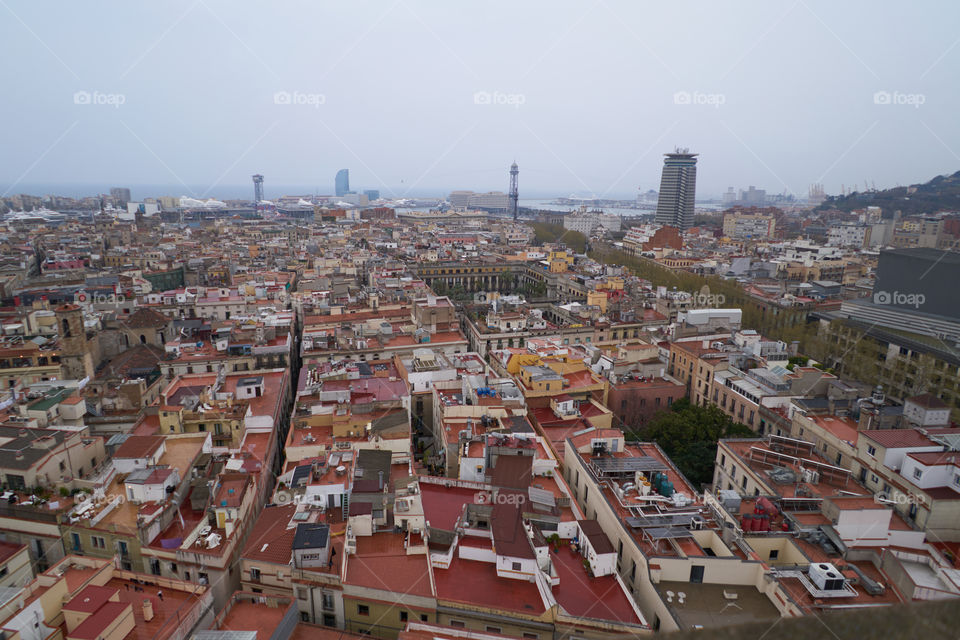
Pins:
x: 893, y: 458
x: 468, y: 469
x: 317, y: 494
x: 940, y: 475
x: 476, y: 553
x: 528, y: 567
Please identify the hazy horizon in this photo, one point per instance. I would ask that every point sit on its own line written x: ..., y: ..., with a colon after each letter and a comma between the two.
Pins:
x: 421, y: 98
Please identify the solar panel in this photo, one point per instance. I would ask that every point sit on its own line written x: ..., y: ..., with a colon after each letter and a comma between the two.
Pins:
x: 614, y: 466
x: 665, y: 533
x: 644, y: 521
x: 540, y: 496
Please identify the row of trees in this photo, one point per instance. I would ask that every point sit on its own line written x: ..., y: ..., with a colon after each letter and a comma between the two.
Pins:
x: 544, y: 232
x: 781, y: 327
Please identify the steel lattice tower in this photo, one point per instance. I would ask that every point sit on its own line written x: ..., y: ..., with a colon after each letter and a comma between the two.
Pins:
x: 257, y: 188
x: 514, y: 191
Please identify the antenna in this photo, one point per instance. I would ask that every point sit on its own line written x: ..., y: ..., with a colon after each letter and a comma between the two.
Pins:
x: 514, y: 191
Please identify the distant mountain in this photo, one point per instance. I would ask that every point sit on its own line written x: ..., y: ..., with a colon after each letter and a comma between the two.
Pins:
x: 940, y: 194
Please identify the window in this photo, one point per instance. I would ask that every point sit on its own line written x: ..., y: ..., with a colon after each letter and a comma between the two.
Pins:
x: 255, y: 574
x: 871, y: 450
x: 516, y: 566
x: 424, y: 617
x: 531, y: 636
x: 774, y: 553
x: 459, y: 624
x: 492, y: 629
x: 98, y: 542
x: 363, y: 610
x: 327, y: 601
x: 874, y: 478
x: 917, y: 473
x: 403, y: 616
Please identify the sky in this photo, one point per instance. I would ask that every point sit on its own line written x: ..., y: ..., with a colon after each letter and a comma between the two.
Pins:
x: 423, y: 97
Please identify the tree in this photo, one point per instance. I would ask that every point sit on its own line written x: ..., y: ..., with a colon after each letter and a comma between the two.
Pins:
x: 507, y: 282
x: 688, y: 434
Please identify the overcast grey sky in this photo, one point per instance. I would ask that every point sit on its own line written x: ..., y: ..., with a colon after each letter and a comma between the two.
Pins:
x: 420, y: 97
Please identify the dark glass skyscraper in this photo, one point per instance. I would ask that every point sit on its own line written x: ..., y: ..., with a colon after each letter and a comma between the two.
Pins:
x: 678, y: 188
x: 342, y: 182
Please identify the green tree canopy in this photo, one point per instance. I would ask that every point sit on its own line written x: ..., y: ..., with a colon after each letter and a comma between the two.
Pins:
x: 688, y: 434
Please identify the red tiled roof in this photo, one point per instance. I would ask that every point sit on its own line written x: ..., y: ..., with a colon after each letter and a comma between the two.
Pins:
x: 271, y: 540
x: 509, y: 535
x: 898, y: 438
x: 928, y: 401
x: 144, y: 318
x: 90, y: 599
x: 96, y: 623
x: 139, y: 446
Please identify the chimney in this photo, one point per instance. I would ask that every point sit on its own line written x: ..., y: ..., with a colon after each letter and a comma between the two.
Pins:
x: 869, y: 417
x: 147, y: 609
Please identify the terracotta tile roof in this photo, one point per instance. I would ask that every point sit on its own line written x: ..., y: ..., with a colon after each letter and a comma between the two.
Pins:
x: 271, y: 540
x: 139, y: 446
x: 898, y: 438
x: 144, y: 318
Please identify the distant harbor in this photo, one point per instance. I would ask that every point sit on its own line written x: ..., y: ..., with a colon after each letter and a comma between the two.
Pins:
x: 617, y: 207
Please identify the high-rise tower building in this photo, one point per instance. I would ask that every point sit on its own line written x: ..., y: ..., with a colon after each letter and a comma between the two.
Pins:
x: 121, y: 195
x: 514, y: 191
x: 678, y: 188
x: 342, y: 182
x: 257, y: 188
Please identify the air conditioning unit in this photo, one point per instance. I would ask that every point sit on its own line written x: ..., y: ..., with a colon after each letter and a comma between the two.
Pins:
x: 826, y: 577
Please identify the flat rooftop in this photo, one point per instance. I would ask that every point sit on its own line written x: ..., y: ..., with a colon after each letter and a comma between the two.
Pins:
x: 706, y: 606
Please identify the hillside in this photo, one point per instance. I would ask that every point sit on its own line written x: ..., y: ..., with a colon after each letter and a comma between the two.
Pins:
x: 939, y: 194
